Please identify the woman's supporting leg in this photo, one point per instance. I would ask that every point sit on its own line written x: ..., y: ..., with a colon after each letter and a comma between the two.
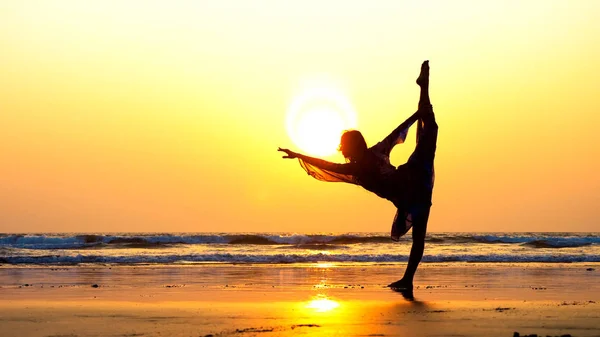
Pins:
x: 418, y: 246
x: 419, y: 231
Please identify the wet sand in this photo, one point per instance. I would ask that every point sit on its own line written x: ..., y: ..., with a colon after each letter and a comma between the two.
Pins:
x: 312, y: 299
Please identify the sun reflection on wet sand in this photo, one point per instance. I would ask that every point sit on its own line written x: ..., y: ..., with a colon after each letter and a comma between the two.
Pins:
x: 326, y: 315
x: 322, y: 304
x: 324, y: 264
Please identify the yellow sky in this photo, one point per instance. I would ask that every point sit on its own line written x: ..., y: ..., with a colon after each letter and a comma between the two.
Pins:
x: 165, y: 115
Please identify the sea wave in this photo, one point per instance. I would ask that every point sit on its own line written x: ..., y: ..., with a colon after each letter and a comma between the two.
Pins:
x: 540, y: 241
x: 534, y: 240
x: 156, y: 240
x: 557, y: 243
x: 285, y: 258
x: 315, y: 246
x: 49, y: 241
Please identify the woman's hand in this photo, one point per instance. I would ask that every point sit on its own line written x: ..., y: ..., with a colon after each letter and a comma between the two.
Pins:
x: 289, y: 154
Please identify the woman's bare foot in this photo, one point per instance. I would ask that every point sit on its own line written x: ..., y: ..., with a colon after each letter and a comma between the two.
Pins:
x: 401, y: 285
x: 423, y: 79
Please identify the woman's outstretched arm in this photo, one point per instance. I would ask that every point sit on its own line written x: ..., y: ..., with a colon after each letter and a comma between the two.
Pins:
x: 347, y: 168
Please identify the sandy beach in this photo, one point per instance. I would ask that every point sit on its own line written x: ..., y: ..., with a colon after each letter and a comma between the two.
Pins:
x: 450, y: 299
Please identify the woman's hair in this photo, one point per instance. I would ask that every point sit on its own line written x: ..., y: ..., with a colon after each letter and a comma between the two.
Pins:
x: 352, y: 144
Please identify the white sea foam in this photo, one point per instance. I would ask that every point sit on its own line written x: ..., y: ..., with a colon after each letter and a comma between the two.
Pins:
x: 125, y: 248
x: 289, y: 258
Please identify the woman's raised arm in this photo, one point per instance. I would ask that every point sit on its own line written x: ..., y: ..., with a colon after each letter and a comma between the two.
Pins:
x: 395, y: 137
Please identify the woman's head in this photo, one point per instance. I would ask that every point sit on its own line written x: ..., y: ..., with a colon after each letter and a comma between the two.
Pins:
x: 353, y: 145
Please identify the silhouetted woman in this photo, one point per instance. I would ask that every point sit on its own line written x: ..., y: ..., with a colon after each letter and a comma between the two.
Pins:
x: 409, y: 186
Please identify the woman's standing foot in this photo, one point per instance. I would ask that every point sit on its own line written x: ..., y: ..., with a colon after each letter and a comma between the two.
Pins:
x: 401, y: 285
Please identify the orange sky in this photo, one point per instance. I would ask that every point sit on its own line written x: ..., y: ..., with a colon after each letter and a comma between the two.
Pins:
x: 165, y: 116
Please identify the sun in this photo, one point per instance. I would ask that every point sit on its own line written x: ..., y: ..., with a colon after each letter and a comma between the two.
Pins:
x: 317, y: 117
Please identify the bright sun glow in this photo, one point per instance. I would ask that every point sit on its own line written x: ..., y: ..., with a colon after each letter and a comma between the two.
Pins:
x: 316, y: 119
x: 322, y: 304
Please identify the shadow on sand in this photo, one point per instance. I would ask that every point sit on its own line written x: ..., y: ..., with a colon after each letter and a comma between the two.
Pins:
x: 407, y: 294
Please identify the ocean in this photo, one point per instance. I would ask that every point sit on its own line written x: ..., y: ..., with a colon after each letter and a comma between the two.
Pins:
x: 187, y: 248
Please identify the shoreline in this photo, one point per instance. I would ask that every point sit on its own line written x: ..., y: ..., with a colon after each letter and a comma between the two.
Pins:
x: 509, y: 281
x: 296, y: 264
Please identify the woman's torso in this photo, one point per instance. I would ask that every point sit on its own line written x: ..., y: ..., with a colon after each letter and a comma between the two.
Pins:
x: 378, y: 175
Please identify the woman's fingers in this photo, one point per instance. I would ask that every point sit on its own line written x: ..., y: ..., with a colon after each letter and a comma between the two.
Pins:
x: 287, y: 152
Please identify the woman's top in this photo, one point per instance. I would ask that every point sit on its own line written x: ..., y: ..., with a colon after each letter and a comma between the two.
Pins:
x: 376, y: 174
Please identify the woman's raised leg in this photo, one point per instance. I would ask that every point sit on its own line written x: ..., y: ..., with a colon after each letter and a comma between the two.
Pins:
x: 423, y: 82
x: 426, y: 125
